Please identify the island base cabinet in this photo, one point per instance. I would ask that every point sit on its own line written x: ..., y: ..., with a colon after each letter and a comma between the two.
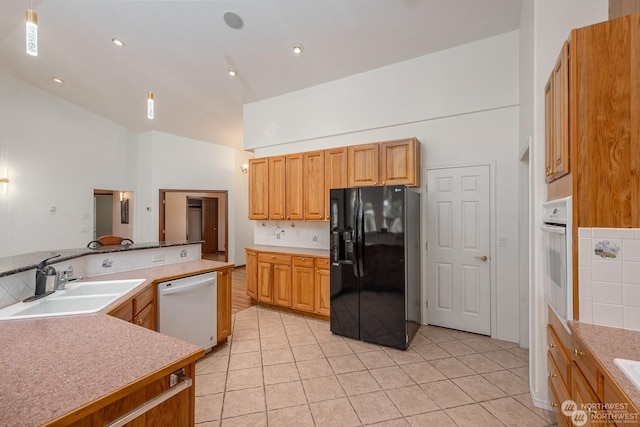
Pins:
x: 177, y: 411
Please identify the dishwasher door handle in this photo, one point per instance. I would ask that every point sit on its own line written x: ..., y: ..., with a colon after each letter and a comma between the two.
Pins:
x: 186, y: 288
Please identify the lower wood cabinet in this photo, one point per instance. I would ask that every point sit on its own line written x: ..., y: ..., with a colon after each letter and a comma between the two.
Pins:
x: 322, y: 287
x: 224, y: 305
x: 178, y: 410
x: 141, y: 309
x: 576, y: 374
x: 292, y: 281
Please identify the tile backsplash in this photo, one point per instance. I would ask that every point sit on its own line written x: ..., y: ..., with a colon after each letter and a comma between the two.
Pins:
x: 609, y: 276
x: 17, y: 287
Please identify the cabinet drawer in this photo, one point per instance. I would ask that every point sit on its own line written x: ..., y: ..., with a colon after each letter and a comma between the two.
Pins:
x: 559, y: 354
x: 143, y: 299
x: 561, y: 388
x: 274, y: 258
x: 556, y: 402
x: 303, y: 261
x: 322, y: 263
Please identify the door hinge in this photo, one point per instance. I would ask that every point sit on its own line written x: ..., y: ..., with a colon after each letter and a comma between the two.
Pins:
x: 426, y: 303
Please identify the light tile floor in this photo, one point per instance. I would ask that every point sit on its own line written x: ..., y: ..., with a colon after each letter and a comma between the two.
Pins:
x: 286, y: 370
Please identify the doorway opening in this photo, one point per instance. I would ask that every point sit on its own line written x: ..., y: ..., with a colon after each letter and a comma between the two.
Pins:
x: 196, y: 215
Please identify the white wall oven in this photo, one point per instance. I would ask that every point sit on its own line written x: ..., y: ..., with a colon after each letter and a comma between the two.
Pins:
x: 558, y: 255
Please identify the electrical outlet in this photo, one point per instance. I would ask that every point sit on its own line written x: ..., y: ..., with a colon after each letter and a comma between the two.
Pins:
x: 157, y: 257
x: 503, y: 241
x: 183, y: 253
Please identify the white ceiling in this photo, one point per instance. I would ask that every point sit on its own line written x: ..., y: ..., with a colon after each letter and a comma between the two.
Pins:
x: 181, y: 51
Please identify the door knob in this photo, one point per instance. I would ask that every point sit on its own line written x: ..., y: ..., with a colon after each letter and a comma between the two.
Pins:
x: 482, y: 258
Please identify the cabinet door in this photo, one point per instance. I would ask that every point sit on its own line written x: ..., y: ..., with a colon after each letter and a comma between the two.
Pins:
x: 313, y: 184
x: 335, y: 174
x: 302, y: 284
x: 224, y: 304
x: 277, y: 187
x: 252, y: 273
x: 282, y: 285
x: 560, y: 92
x: 322, y: 291
x: 124, y: 311
x: 294, y: 186
x: 584, y: 396
x: 265, y: 275
x: 259, y: 188
x: 146, y: 317
x: 363, y: 165
x: 399, y: 162
x: 548, y: 131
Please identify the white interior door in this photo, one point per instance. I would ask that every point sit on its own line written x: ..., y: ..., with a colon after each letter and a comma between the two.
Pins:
x: 458, y: 261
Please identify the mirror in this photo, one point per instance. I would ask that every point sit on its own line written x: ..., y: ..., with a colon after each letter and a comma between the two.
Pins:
x: 112, y: 213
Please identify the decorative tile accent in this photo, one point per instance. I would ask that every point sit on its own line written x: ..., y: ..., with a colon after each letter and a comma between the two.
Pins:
x: 609, y: 276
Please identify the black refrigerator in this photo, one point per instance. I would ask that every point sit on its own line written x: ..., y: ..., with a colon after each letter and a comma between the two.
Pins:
x: 375, y: 264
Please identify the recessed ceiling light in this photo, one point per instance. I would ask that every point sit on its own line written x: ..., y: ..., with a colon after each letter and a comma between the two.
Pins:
x: 57, y: 80
x: 117, y: 42
x: 233, y: 20
x: 297, y: 48
x: 232, y: 72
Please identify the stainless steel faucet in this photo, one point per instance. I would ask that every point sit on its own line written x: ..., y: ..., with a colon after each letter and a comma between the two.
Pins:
x: 43, y: 271
x: 64, y: 277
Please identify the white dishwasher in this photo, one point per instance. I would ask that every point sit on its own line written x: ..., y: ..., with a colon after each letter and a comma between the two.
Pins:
x: 187, y: 309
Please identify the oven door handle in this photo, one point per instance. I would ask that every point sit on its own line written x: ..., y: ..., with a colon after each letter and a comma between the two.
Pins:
x: 554, y: 229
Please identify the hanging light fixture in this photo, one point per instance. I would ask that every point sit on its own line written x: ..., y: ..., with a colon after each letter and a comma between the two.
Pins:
x: 32, y: 32
x: 150, y: 106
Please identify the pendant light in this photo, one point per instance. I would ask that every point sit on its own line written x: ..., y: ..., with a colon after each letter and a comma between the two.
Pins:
x: 32, y: 32
x: 150, y: 106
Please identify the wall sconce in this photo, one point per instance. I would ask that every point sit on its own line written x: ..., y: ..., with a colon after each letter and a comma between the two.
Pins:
x: 4, y: 181
x: 5, y: 185
x: 244, y: 168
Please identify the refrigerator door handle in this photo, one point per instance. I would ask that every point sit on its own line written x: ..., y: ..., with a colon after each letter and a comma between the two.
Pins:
x: 360, y: 235
x: 355, y: 237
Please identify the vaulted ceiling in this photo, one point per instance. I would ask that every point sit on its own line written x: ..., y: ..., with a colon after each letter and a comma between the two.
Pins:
x: 182, y: 50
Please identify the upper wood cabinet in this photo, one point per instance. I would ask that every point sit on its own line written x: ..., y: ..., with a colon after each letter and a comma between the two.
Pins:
x: 297, y: 186
x: 363, y: 165
x: 295, y: 174
x: 400, y: 162
x: 259, y: 188
x: 335, y: 173
x: 604, y: 132
x: 556, y: 100
x: 313, y: 183
x: 277, y: 186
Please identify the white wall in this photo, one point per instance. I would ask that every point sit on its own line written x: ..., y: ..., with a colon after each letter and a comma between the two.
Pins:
x: 461, y: 103
x: 552, y: 21
x: 57, y: 153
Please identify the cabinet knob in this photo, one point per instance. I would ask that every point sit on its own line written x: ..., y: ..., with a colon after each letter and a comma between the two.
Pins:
x: 552, y: 375
x: 554, y: 405
x: 375, y: 182
x: 577, y: 352
x: 552, y: 345
x: 273, y: 257
x: 140, y: 321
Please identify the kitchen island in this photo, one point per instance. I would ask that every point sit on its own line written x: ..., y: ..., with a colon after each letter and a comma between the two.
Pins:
x: 91, y: 369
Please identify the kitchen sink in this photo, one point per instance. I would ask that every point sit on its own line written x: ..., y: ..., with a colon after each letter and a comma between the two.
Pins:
x: 99, y: 288
x: 78, y: 298
x: 631, y: 369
